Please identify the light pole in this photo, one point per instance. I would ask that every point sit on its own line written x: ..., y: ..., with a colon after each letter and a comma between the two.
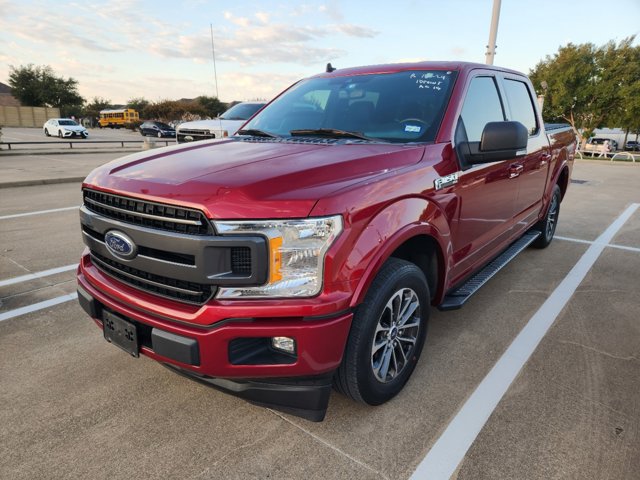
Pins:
x: 493, y: 33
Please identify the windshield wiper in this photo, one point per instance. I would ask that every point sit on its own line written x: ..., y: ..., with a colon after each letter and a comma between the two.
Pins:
x: 330, y: 132
x: 256, y: 133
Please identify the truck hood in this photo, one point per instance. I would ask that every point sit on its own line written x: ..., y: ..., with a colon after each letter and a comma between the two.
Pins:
x: 253, y: 179
x: 230, y: 126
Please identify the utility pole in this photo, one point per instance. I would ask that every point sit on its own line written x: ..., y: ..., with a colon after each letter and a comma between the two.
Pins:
x: 213, y: 53
x: 493, y: 33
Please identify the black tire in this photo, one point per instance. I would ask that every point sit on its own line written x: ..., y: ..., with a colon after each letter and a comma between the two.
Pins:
x: 550, y: 221
x: 46, y: 133
x: 357, y: 377
x: 59, y: 133
x: 159, y: 134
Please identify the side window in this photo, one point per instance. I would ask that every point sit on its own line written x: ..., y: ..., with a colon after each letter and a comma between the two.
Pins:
x: 520, y: 103
x: 481, y: 106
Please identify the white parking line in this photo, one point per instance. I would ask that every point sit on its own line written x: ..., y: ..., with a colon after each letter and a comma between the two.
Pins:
x: 32, y: 276
x: 589, y: 242
x: 53, y: 210
x: 37, y: 306
x: 452, y: 446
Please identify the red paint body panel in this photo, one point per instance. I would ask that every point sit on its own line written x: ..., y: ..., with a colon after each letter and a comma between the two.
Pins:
x: 385, y: 194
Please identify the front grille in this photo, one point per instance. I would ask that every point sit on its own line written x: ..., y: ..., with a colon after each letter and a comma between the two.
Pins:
x: 241, y: 260
x: 180, y: 290
x: 195, y: 135
x: 147, y: 214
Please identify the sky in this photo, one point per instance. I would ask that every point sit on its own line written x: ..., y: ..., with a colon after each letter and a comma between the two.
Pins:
x: 124, y: 49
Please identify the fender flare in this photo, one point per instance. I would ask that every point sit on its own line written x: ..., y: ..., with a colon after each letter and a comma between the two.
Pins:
x: 395, y: 224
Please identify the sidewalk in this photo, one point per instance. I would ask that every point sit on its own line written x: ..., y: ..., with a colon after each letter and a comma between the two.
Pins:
x: 40, y: 168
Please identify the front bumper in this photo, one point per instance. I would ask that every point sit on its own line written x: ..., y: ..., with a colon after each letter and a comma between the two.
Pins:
x: 68, y: 134
x: 298, y: 384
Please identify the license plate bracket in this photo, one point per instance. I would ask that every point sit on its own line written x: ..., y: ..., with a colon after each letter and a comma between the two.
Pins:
x: 121, y: 333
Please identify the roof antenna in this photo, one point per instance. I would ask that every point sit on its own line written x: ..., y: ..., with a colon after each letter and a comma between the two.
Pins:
x: 330, y: 68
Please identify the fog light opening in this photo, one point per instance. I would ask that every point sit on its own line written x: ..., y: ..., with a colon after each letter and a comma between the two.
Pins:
x: 284, y: 344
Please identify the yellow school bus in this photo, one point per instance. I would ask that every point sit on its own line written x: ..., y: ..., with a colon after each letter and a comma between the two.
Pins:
x: 122, y: 117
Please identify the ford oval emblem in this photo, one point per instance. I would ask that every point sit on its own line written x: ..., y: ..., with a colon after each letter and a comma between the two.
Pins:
x: 120, y: 244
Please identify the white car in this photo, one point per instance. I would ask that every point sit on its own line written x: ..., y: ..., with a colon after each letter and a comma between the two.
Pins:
x: 64, y: 128
x: 226, y: 124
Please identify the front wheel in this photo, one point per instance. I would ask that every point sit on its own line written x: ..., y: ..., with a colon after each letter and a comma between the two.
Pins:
x: 159, y: 134
x: 59, y: 133
x: 548, y: 224
x: 387, y: 335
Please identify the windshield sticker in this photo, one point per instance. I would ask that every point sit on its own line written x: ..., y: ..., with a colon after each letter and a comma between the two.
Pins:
x: 429, y: 80
x: 412, y: 128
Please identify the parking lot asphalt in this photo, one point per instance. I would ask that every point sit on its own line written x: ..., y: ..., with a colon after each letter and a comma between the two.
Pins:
x: 76, y: 407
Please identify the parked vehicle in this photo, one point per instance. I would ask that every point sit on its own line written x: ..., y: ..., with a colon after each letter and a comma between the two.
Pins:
x: 157, y: 129
x: 632, y: 146
x: 64, y: 128
x: 227, y: 124
x: 599, y: 144
x: 116, y: 118
x: 308, y: 250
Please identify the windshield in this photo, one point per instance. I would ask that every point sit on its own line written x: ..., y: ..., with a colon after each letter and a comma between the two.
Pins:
x: 66, y: 122
x: 241, y: 111
x: 395, y: 107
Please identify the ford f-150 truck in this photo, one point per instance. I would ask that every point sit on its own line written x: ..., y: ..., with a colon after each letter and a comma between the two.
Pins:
x: 307, y: 251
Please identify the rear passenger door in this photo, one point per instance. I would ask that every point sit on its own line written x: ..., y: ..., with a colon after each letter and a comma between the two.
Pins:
x: 531, y: 169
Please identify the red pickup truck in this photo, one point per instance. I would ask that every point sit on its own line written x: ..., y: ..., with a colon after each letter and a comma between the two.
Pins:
x: 306, y: 251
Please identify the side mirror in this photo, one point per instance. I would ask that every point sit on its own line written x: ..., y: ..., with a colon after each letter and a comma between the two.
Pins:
x: 499, y: 141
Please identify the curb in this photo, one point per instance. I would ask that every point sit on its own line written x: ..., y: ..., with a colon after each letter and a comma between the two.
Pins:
x: 15, y: 153
x: 43, y: 181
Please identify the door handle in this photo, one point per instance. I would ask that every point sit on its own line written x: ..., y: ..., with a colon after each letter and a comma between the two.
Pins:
x: 515, y: 170
x: 544, y: 159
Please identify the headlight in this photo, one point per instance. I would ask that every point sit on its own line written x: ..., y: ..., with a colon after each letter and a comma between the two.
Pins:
x: 296, y: 255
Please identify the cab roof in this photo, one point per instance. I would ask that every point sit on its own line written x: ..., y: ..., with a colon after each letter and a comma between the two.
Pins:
x: 401, y: 67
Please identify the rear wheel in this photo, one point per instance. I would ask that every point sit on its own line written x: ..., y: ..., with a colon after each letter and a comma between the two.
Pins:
x: 548, y: 224
x: 387, y: 335
x: 159, y: 134
x: 46, y: 133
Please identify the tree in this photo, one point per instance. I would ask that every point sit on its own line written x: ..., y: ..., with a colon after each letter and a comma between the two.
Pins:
x: 39, y: 86
x: 583, y: 84
x: 92, y: 109
x: 138, y: 104
x: 169, y: 110
x: 212, y: 106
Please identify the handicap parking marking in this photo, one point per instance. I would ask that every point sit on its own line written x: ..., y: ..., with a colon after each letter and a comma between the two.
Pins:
x: 450, y: 448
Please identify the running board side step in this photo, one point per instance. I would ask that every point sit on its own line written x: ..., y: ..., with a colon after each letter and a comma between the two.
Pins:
x: 456, y: 298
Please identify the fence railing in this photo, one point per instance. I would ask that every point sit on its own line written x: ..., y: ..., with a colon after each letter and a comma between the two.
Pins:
x: 611, y: 156
x: 88, y: 142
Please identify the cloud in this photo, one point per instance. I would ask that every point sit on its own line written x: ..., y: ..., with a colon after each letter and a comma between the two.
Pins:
x: 251, y: 86
x: 254, y: 45
x: 262, y: 17
x: 332, y: 11
x: 355, y: 30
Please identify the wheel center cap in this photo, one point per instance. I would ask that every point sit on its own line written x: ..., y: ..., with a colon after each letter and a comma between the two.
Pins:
x: 393, y: 333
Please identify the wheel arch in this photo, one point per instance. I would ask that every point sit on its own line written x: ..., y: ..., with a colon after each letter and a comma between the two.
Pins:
x: 422, y: 240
